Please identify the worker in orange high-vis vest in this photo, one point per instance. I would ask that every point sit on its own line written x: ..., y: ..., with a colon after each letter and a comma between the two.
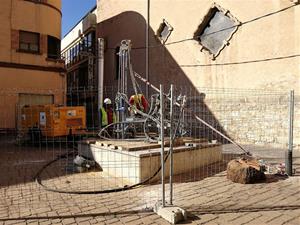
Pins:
x: 139, y: 101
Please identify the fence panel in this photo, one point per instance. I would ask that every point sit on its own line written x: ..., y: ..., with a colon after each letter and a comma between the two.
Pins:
x: 257, y: 120
x: 38, y: 146
x: 41, y: 180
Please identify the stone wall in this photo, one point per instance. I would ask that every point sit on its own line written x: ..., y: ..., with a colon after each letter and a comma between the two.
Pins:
x: 248, y: 118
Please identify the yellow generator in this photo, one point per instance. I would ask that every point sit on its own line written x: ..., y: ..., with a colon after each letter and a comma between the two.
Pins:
x: 54, y: 120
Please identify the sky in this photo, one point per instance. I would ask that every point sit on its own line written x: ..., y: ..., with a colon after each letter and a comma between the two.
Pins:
x: 73, y: 11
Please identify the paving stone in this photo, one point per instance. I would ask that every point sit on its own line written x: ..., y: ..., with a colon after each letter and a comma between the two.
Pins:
x: 46, y: 222
x: 280, y: 219
x: 94, y: 221
x: 257, y: 220
x: 109, y: 221
x: 31, y: 222
x: 147, y: 221
x: 82, y: 219
x: 268, y: 215
x: 207, y: 218
x: 116, y: 223
x: 10, y: 222
x: 28, y: 199
x: 84, y: 223
x: 68, y: 221
x: 162, y: 222
x: 55, y: 220
x: 228, y: 217
x: 293, y: 221
x: 150, y: 217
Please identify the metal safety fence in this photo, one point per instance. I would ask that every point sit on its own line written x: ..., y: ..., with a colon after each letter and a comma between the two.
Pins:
x: 59, y: 159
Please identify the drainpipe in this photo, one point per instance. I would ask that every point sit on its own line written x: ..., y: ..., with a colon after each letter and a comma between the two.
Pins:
x: 147, y: 47
x: 100, y: 72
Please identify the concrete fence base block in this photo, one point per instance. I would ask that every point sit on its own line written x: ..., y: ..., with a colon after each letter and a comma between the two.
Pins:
x: 172, y: 214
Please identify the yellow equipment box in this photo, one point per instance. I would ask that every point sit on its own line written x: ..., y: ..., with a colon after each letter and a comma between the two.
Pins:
x: 53, y: 120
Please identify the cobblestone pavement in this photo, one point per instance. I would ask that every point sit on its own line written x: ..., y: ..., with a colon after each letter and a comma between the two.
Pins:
x: 209, y: 198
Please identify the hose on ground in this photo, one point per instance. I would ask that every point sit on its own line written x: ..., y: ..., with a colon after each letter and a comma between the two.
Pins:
x: 38, y: 179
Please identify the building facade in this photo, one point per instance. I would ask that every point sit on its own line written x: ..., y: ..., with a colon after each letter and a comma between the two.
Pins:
x: 79, y: 51
x: 31, y: 70
x: 204, y: 45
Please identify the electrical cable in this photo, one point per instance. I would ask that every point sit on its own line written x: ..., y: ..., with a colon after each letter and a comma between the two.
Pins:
x: 242, y: 62
x: 199, y: 119
x: 217, y: 31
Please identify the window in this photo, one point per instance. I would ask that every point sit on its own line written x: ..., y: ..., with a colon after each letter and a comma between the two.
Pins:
x: 29, y: 42
x: 87, y: 42
x: 76, y: 52
x: 53, y: 47
x: 216, y: 29
x: 90, y: 41
x: 164, y: 31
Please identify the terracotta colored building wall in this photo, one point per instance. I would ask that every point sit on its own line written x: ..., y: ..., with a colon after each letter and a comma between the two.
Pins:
x: 23, y: 72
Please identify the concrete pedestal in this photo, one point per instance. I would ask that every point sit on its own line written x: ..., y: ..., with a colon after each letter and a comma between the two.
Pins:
x: 138, y: 165
x: 172, y: 214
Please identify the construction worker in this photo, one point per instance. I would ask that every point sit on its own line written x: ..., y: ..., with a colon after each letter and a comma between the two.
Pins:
x: 139, y: 101
x: 107, y: 113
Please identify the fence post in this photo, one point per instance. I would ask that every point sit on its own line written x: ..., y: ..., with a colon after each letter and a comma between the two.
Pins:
x: 162, y: 156
x: 171, y: 144
x: 289, y: 153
